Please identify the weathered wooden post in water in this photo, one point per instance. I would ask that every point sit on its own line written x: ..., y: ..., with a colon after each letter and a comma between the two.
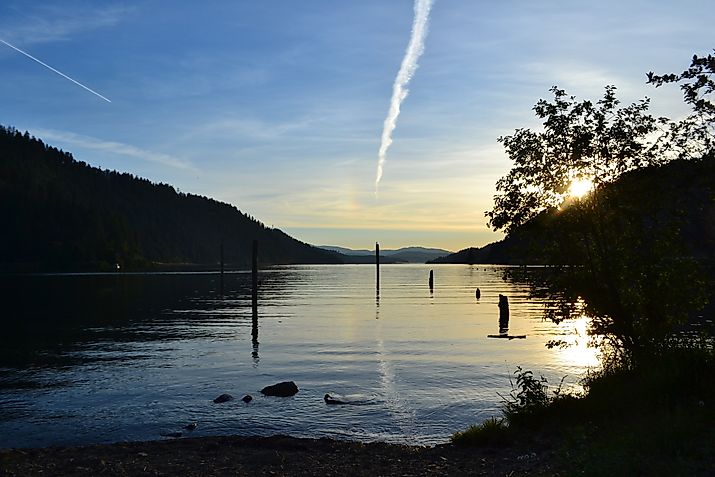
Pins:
x: 377, y: 266
x: 503, y: 314
x: 431, y: 280
x: 504, y: 321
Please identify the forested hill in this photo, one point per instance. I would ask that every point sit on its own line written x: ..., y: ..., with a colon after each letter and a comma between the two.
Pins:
x: 59, y: 214
x: 677, y: 197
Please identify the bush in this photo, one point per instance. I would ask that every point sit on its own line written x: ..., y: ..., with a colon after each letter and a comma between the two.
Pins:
x: 529, y: 399
x: 493, y: 431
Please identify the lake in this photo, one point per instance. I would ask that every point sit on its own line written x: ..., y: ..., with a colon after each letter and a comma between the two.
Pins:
x: 126, y: 357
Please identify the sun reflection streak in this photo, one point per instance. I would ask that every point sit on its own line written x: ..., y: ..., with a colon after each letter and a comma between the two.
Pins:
x: 579, y: 353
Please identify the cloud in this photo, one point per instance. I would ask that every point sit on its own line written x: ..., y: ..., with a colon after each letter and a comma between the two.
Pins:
x: 44, y: 24
x: 112, y: 147
x: 404, y: 75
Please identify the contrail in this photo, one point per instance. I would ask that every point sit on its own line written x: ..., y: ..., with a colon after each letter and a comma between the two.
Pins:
x: 51, y: 68
x: 404, y: 75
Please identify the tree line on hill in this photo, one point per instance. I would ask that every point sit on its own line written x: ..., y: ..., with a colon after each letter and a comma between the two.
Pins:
x: 60, y: 214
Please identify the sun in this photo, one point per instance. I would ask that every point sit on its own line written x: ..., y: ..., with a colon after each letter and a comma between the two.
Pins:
x: 580, y: 186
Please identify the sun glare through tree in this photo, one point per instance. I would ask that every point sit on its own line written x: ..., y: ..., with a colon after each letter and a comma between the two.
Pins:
x: 580, y: 186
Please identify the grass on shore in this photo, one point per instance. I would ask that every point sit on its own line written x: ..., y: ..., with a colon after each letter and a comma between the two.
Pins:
x: 653, y: 419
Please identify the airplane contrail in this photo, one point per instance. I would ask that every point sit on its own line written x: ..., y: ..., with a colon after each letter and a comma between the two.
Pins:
x: 58, y: 72
x: 404, y: 75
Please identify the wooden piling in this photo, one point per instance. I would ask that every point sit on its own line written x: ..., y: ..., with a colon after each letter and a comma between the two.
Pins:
x: 478, y: 294
x: 503, y: 309
x: 377, y: 267
x: 431, y: 280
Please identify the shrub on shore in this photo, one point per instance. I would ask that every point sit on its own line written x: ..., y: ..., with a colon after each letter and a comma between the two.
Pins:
x: 654, y: 419
x: 493, y: 431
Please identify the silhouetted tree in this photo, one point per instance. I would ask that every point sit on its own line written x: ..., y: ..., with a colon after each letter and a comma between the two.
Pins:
x: 579, y: 140
x: 693, y: 136
x: 620, y: 247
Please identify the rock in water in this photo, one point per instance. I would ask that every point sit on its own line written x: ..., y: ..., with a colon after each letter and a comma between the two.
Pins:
x: 223, y: 398
x: 247, y: 398
x: 284, y: 389
x: 192, y: 426
x: 331, y: 400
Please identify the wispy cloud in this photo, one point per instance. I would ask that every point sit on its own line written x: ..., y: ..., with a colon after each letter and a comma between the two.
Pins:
x: 112, y: 147
x: 43, y: 24
x: 250, y: 128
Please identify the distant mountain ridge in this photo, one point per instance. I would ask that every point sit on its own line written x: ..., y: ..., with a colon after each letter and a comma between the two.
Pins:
x: 401, y: 255
x: 60, y: 214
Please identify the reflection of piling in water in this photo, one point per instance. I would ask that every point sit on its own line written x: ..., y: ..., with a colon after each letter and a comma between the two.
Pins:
x: 478, y: 294
x: 254, y: 339
x: 431, y: 280
x: 222, y: 267
x: 254, y: 300
x: 503, y: 314
x: 377, y: 267
x: 254, y: 281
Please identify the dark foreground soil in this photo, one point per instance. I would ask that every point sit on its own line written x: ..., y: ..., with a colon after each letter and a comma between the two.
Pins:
x: 271, y: 456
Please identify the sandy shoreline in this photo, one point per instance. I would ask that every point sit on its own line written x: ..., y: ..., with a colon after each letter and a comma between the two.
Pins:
x: 270, y: 456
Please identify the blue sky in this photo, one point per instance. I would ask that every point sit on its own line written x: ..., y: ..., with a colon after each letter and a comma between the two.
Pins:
x: 277, y: 107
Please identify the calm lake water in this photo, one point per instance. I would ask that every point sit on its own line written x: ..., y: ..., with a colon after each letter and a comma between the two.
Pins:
x: 107, y: 358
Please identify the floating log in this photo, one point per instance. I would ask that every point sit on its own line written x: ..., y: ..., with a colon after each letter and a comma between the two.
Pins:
x: 508, y: 337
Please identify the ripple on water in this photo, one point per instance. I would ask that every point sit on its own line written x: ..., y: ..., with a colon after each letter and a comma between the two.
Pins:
x: 149, y: 354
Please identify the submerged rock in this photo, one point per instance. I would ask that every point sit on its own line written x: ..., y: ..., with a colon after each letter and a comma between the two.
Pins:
x: 190, y: 427
x: 284, y: 389
x: 223, y: 398
x: 247, y: 398
x: 331, y: 400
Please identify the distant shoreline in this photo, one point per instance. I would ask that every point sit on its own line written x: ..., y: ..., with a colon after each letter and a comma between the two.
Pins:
x: 177, y: 269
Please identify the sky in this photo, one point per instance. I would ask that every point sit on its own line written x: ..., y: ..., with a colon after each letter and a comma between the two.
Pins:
x: 277, y: 107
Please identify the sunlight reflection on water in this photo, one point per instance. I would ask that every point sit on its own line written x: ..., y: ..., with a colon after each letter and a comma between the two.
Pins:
x: 127, y: 357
